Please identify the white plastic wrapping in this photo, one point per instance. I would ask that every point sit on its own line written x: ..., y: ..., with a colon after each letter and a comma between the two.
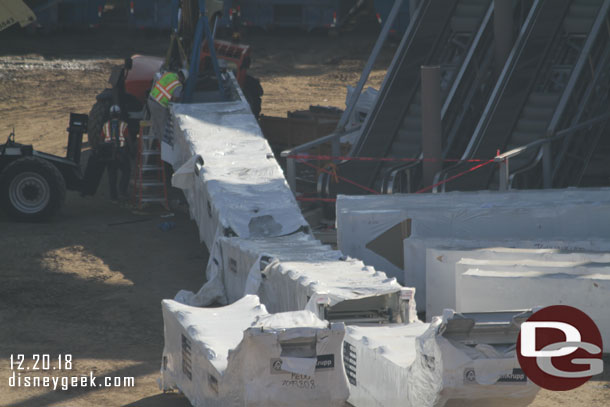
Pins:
x: 415, y: 365
x: 497, y: 285
x: 240, y: 355
x: 364, y: 105
x: 297, y: 272
x: 240, y: 189
x: 247, y: 216
x: 415, y: 251
x: 441, y: 273
x: 570, y: 214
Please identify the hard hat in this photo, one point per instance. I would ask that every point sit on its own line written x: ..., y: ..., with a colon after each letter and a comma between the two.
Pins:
x: 184, y: 73
x: 115, y: 110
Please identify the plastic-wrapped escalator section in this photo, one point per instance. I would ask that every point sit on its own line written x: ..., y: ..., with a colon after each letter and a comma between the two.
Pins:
x: 458, y: 359
x: 538, y: 93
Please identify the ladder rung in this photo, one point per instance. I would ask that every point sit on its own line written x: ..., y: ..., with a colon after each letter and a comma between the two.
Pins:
x: 151, y: 152
x: 148, y: 137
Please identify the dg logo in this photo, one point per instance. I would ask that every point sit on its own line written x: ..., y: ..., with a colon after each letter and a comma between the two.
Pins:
x: 560, y: 348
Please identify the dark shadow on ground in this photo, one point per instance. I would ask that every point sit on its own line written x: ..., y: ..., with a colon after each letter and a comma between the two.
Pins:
x: 81, y: 285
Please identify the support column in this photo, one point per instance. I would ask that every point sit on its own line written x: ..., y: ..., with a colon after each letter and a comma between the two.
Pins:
x: 547, y: 166
x: 431, y: 122
x: 503, y: 32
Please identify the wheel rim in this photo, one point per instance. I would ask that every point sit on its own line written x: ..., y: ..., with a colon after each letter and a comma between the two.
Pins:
x: 29, y: 192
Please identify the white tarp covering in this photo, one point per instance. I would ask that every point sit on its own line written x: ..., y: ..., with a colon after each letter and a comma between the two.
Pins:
x: 364, y: 105
x: 415, y: 252
x: 415, y: 365
x: 570, y: 214
x: 441, y: 274
x: 297, y: 272
x: 240, y: 190
x: 15, y: 11
x: 247, y: 216
x: 240, y: 355
x: 497, y: 285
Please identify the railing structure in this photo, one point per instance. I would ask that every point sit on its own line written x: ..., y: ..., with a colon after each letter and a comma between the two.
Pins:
x: 506, y: 179
x: 441, y: 33
x: 334, y: 138
x: 568, y: 91
x: 575, y: 74
x: 467, y: 78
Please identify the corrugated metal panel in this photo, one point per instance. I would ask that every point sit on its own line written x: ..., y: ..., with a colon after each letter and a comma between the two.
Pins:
x: 15, y: 11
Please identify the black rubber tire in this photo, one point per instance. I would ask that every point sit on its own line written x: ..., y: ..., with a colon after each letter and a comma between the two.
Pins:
x: 253, y: 91
x: 98, y: 115
x: 43, y: 177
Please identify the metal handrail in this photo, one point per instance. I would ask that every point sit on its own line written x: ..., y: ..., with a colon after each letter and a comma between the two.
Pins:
x: 559, y: 135
x: 575, y: 79
x: 339, y: 132
x: 385, y: 30
x: 506, y: 73
x: 534, y: 162
x: 466, y: 66
x: 333, y: 138
x: 542, y: 144
x: 389, y: 179
x: 509, y: 66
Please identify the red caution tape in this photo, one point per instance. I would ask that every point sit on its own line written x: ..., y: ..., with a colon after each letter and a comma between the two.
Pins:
x: 309, y: 157
x: 476, y: 167
x: 333, y: 173
x: 337, y: 176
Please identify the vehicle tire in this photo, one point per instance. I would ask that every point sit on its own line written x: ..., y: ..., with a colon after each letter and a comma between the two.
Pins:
x: 31, y: 189
x: 98, y: 115
x: 253, y: 91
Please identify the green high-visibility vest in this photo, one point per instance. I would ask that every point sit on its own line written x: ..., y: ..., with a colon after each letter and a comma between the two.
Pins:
x: 164, y: 88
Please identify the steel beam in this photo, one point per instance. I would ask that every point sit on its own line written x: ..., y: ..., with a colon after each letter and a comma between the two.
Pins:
x: 431, y: 122
x: 503, y: 32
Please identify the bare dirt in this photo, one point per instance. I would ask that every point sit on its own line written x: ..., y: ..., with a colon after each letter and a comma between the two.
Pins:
x: 79, y: 284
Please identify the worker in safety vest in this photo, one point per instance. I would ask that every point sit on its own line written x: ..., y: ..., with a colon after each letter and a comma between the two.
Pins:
x: 168, y: 88
x: 115, y: 152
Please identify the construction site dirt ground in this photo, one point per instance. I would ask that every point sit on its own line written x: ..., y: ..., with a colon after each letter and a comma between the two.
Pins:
x: 89, y: 283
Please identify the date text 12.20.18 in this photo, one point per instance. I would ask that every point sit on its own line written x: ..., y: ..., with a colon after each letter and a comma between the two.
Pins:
x: 41, y: 362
